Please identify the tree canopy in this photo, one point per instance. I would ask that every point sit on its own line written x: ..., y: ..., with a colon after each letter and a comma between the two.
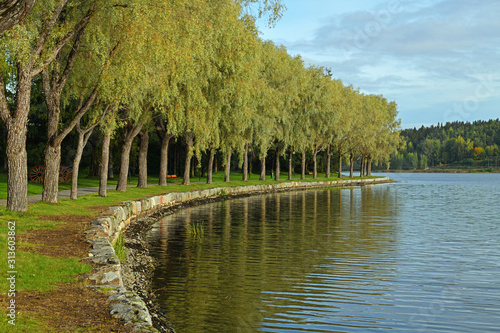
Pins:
x: 196, y: 71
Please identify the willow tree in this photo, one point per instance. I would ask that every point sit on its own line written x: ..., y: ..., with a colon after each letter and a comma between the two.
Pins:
x: 372, y: 110
x: 101, y: 39
x: 237, y: 71
x: 281, y: 80
x: 385, y: 135
x: 264, y: 115
x: 27, y: 49
x: 320, y: 116
x: 272, y: 9
x: 375, y: 108
x: 334, y: 119
x: 187, y: 77
x: 296, y: 134
x: 108, y: 127
x: 347, y: 144
x: 83, y: 137
x: 178, y: 48
x: 54, y: 79
x: 346, y: 116
x: 299, y: 133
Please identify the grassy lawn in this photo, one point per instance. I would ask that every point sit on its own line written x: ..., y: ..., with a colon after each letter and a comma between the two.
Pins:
x: 45, y: 238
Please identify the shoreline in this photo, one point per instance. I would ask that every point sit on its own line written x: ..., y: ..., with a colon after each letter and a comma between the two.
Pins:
x: 128, y: 283
x: 450, y: 170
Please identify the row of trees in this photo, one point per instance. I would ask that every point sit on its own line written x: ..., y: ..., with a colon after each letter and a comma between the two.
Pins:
x: 191, y: 70
x: 457, y: 143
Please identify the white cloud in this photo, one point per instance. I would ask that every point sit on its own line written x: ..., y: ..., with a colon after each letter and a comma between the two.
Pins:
x: 426, y: 54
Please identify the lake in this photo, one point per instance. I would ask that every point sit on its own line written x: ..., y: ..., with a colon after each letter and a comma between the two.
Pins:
x: 419, y: 255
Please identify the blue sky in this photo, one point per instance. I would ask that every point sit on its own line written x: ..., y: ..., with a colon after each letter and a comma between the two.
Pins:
x: 438, y: 59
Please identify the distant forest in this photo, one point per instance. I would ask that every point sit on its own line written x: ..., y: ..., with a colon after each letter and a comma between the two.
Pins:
x: 455, y: 144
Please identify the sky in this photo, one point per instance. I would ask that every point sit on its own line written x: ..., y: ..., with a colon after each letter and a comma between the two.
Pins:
x: 438, y: 59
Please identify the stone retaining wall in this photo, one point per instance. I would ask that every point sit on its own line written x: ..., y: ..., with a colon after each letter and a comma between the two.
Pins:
x: 104, y: 232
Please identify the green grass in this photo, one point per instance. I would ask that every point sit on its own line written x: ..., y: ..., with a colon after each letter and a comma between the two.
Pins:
x: 24, y: 323
x: 119, y: 247
x: 34, y: 271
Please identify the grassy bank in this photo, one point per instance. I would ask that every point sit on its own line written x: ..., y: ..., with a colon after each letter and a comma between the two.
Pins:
x: 50, y: 293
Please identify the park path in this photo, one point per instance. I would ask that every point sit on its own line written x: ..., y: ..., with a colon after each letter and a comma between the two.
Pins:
x: 81, y: 191
x: 66, y: 193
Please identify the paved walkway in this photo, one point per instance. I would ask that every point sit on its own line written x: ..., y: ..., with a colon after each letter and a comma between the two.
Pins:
x: 66, y: 193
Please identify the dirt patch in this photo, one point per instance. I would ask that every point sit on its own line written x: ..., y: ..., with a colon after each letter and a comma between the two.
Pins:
x: 70, y: 308
x: 65, y: 241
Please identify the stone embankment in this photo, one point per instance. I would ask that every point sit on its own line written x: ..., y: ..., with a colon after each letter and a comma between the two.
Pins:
x: 108, y: 274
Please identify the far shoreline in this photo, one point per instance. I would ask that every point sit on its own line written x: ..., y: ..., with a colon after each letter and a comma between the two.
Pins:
x: 444, y: 170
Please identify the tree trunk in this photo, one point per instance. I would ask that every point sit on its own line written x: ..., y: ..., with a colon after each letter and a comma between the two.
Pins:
x: 125, y: 157
x: 4, y: 141
x: 303, y: 167
x: 210, y: 166
x: 51, y: 173
x: 227, y: 174
x: 103, y: 174
x: 124, y: 166
x: 278, y: 170
x: 250, y: 161
x: 111, y: 174
x: 328, y: 160
x: 369, y: 166
x: 263, y: 168
x: 315, y: 163
x: 290, y: 168
x: 83, y: 137
x: 143, y: 160
x: 53, y: 149
x: 351, y: 160
x: 187, y: 163
x: 362, y: 168
x: 245, y: 164
x: 340, y: 164
x: 17, y: 165
x: 15, y: 123
x: 164, y: 158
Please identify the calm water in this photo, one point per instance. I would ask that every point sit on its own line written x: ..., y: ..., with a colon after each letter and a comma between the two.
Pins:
x: 421, y: 255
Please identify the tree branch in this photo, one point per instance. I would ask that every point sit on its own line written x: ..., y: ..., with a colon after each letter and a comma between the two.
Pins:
x: 46, y: 32
x: 76, y: 119
x: 71, y: 58
x: 13, y: 12
x: 91, y: 127
x: 47, y: 88
x: 81, y: 25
